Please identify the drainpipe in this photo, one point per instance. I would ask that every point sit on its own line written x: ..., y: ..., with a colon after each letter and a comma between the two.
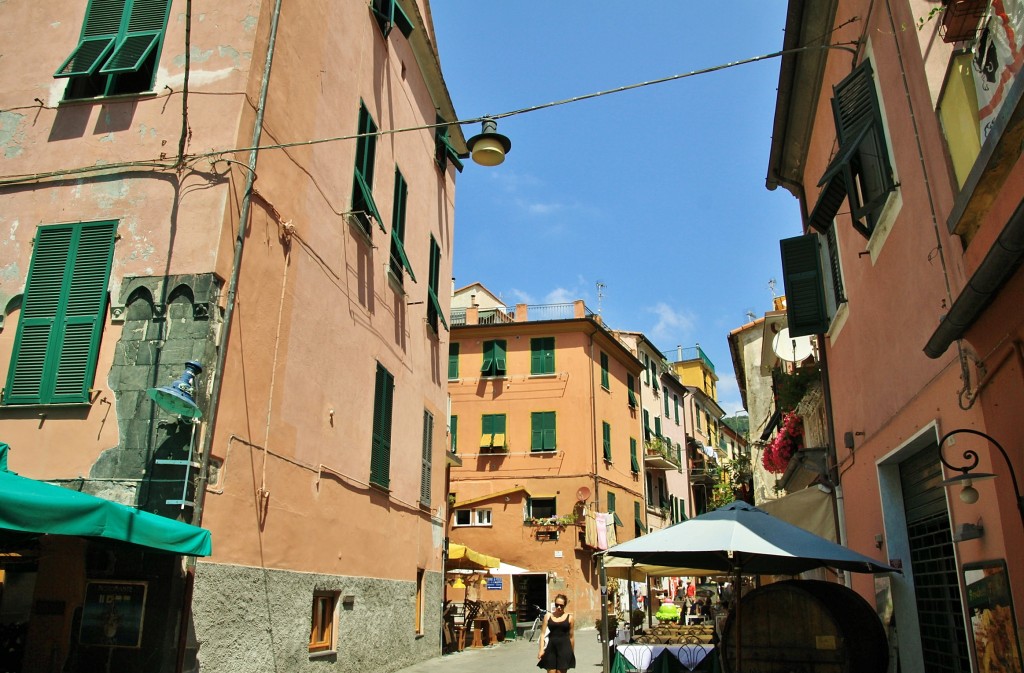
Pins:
x: 236, y: 267
x: 593, y: 421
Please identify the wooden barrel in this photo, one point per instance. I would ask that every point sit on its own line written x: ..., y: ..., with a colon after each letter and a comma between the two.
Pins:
x: 806, y: 625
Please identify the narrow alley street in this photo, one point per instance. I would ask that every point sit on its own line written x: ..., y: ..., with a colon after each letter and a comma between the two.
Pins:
x: 511, y: 657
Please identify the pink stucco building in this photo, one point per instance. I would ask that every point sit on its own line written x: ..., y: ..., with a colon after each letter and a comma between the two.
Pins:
x: 264, y: 188
x: 898, y: 127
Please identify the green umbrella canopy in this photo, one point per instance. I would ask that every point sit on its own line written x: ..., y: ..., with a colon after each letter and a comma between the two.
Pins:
x: 30, y: 506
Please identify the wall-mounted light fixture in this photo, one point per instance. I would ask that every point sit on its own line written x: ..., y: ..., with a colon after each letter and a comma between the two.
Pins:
x: 966, y: 477
x: 879, y: 541
x: 488, y: 148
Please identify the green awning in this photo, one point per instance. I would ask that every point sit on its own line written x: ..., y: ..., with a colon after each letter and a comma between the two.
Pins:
x: 30, y: 506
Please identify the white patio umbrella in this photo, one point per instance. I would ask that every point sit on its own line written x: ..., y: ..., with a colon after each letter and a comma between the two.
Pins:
x: 740, y: 539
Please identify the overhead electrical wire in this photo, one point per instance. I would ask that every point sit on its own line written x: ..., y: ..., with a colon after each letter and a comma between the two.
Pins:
x: 216, y: 155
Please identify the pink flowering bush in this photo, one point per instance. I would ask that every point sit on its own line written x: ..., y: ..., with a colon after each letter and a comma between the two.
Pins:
x: 787, y: 440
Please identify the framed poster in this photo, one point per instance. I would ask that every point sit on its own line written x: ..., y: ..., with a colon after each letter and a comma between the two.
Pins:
x: 113, y: 613
x: 990, y: 606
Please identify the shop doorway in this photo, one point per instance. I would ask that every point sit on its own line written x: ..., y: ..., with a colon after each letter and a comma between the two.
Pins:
x: 531, y: 591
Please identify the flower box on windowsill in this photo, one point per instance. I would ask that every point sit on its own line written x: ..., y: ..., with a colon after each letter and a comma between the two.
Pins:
x: 553, y: 521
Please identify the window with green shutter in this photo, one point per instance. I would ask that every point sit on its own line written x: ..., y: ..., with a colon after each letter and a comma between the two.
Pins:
x: 606, y: 430
x: 492, y: 431
x: 639, y: 528
x: 428, y: 457
x: 453, y: 361
x: 542, y: 431
x: 611, y: 502
x: 453, y: 429
x: 634, y: 463
x: 494, y: 358
x: 675, y: 400
x: 434, y: 312
x: 399, y: 260
x: 806, y: 309
x: 631, y: 390
x: 364, y: 208
x: 380, y: 451
x: 443, y: 149
x: 657, y: 426
x: 118, y: 50
x: 61, y: 322
x: 650, y: 489
x: 542, y: 355
x: 861, y: 167
x: 664, y: 393
x: 605, y: 383
x: 647, y: 426
x: 389, y: 14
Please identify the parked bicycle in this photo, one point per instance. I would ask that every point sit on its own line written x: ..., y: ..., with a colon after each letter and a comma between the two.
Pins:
x: 532, y: 630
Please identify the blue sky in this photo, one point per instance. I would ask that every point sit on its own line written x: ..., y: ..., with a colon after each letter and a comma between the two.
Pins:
x: 658, y: 192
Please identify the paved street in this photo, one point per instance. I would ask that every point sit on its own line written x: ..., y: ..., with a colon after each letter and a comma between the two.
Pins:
x: 511, y: 657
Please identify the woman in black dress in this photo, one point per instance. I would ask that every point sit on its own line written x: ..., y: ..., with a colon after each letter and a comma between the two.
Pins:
x: 558, y: 640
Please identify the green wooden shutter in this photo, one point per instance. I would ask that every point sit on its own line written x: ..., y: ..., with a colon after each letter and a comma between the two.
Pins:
x: 634, y: 463
x: 390, y: 14
x: 486, y: 431
x: 664, y: 393
x: 657, y: 426
x: 867, y: 171
x: 536, y: 356
x: 366, y: 152
x: 58, y: 337
x: 542, y: 355
x: 536, y: 431
x: 453, y: 361
x: 604, y: 371
x: 99, y: 34
x: 428, y: 453
x: 443, y: 149
x: 630, y: 386
x: 647, y: 426
x: 146, y: 22
x: 611, y: 502
x: 542, y: 431
x: 399, y: 259
x: 454, y: 430
x: 675, y: 400
x: 487, y: 368
x: 380, y: 456
x: 805, y: 292
x: 434, y: 312
x: 607, y: 432
x: 499, y: 358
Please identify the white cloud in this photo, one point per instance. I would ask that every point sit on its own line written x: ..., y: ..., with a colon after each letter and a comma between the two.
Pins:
x: 520, y: 297
x: 672, y: 326
x: 540, y: 208
x: 561, y: 295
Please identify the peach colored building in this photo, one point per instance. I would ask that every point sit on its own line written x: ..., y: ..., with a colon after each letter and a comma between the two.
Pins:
x: 903, y: 147
x: 551, y: 446
x: 161, y: 204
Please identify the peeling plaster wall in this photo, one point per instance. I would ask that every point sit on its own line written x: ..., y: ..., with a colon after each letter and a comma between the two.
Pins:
x: 256, y: 620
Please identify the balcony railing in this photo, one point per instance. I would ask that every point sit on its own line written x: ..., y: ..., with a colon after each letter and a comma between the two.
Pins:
x: 521, y: 313
x: 680, y: 354
x: 660, y: 454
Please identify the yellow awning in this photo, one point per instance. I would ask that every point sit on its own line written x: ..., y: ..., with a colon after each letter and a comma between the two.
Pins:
x: 460, y: 556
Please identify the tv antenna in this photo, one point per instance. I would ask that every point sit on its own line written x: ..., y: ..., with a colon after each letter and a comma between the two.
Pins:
x: 600, y: 295
x: 771, y: 286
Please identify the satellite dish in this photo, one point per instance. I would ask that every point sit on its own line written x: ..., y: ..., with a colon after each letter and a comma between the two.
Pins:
x: 583, y: 494
x: 791, y: 349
